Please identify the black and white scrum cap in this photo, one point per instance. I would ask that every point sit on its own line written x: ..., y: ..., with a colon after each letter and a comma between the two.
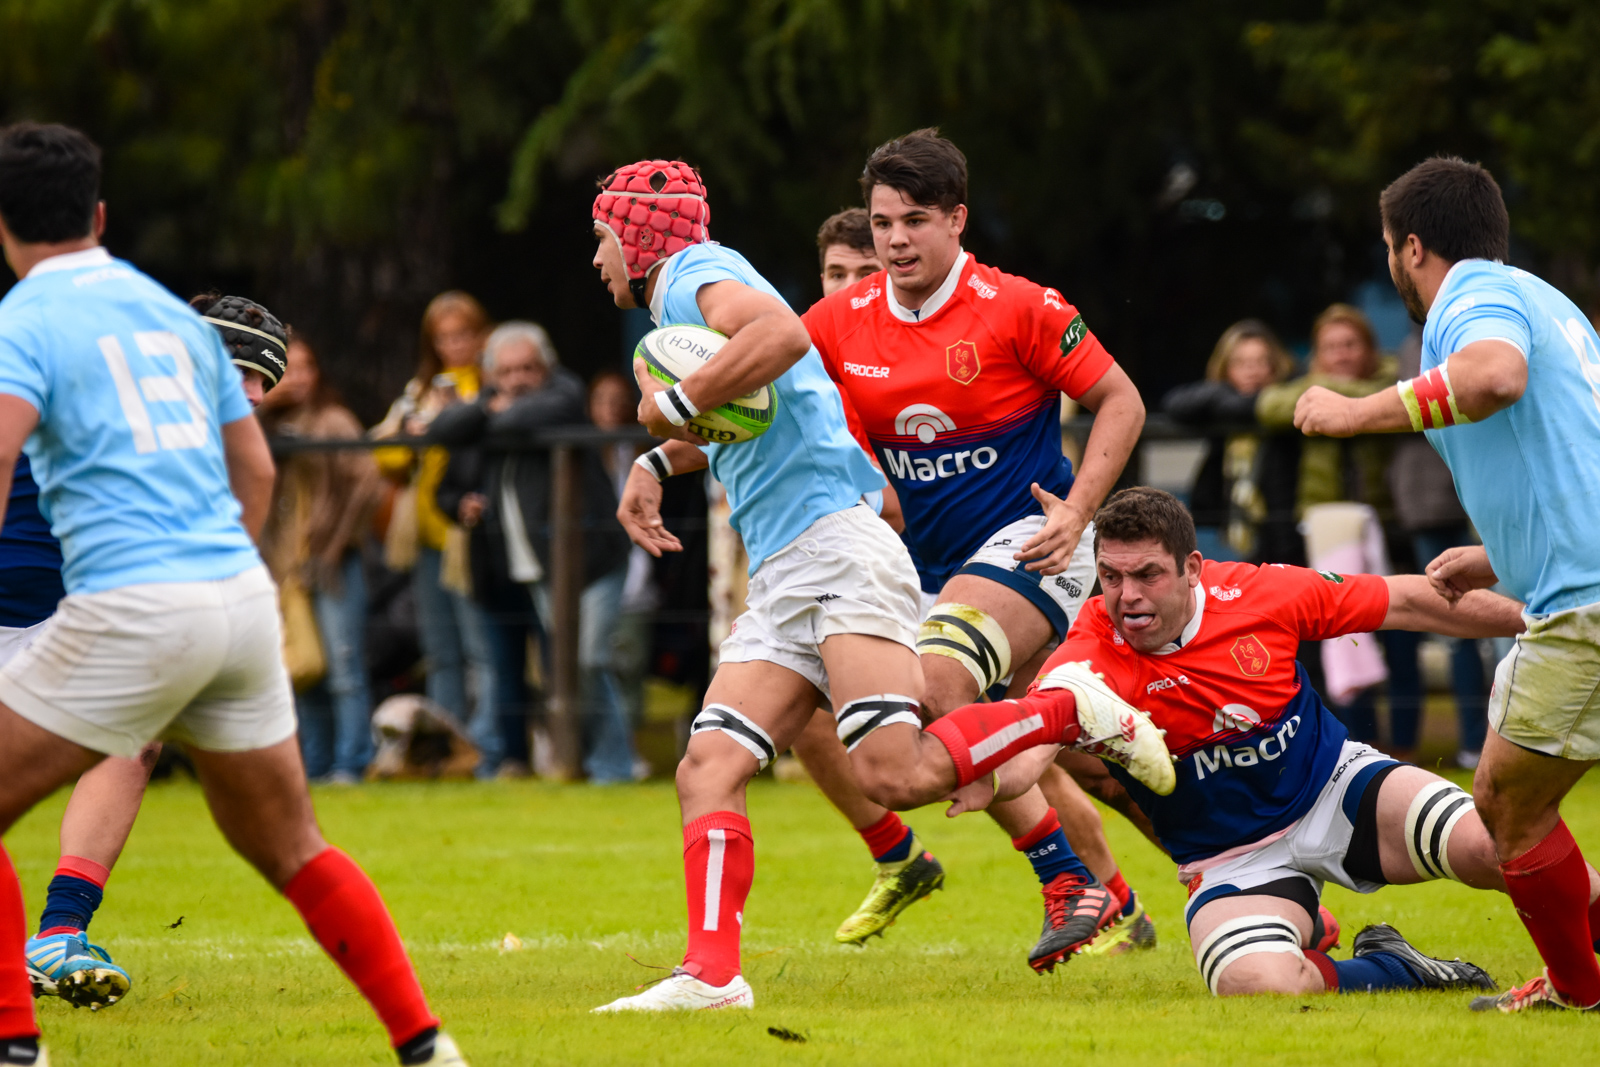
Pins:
x: 255, y: 339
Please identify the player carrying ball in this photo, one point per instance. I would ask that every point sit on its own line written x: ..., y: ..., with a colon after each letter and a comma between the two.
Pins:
x: 952, y: 374
x: 1509, y: 395
x: 1273, y: 799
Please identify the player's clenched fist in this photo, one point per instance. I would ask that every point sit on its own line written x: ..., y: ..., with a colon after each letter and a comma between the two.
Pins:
x: 1458, y: 571
x: 1324, y: 413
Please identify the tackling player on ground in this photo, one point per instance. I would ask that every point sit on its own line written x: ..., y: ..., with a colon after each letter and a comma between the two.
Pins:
x: 1509, y: 395
x: 154, y: 476
x: 952, y: 374
x: 1273, y: 799
x: 105, y: 801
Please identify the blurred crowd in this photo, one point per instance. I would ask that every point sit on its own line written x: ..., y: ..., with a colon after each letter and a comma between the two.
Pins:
x: 1380, y: 504
x: 417, y: 579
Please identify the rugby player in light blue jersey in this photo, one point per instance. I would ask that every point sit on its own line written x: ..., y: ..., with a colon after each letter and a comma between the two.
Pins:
x: 155, y: 478
x: 834, y: 603
x: 1509, y: 395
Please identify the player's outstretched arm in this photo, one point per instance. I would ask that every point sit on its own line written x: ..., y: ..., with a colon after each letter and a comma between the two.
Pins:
x: 1118, y: 418
x: 250, y: 471
x: 1474, y: 383
x: 17, y: 420
x: 1458, y: 571
x: 639, y: 511
x: 1415, y: 605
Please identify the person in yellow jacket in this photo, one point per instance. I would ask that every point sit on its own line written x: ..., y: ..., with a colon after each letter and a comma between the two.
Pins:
x: 450, y: 625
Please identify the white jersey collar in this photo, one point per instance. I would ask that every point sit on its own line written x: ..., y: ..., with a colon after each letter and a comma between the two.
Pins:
x: 940, y: 295
x: 1190, y: 630
x: 88, y: 257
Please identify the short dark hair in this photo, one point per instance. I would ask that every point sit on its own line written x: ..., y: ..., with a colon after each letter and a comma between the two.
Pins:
x: 926, y: 168
x: 49, y: 182
x: 851, y: 228
x: 1454, y: 207
x: 1145, y: 514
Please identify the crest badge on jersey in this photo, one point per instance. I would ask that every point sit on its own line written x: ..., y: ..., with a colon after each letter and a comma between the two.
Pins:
x: 1251, y: 656
x: 961, y: 360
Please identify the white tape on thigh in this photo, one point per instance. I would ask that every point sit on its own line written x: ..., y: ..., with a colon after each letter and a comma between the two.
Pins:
x: 969, y: 636
x: 1241, y: 937
x: 740, y: 727
x: 859, y: 718
x: 1433, y: 814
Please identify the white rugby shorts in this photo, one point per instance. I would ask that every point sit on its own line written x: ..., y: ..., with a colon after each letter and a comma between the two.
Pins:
x: 1546, y: 694
x: 1313, y: 848
x: 13, y: 639
x: 1059, y: 596
x: 848, y: 573
x: 197, y: 662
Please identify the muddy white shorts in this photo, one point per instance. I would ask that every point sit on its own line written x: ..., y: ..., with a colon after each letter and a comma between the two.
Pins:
x: 198, y: 662
x: 1059, y: 596
x: 848, y: 573
x: 1546, y: 694
x: 1297, y: 863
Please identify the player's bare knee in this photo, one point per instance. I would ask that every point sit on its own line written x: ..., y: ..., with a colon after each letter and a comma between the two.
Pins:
x: 1268, y: 974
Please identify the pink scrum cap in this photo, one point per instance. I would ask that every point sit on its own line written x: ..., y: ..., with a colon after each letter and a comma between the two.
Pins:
x: 653, y: 208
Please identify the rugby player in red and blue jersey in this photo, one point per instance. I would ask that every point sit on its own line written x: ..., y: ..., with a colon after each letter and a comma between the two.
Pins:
x: 952, y: 374
x: 1272, y: 799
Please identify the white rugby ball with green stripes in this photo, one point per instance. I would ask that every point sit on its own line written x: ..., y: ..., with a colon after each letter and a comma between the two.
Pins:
x: 674, y: 352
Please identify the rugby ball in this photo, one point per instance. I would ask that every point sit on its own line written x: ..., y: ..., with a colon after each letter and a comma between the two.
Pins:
x: 674, y: 352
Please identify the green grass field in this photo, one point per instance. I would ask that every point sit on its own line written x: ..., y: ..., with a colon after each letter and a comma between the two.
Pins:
x: 584, y: 876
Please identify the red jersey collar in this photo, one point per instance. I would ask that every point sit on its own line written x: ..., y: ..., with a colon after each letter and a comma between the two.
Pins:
x: 940, y: 297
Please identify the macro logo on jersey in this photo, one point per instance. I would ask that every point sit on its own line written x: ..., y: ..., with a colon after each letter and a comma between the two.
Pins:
x: 1073, y: 336
x: 961, y: 359
x: 924, y: 422
x: 1251, y: 656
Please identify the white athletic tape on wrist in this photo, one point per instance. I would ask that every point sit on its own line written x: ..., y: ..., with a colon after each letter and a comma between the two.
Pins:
x: 675, y: 405
x: 1241, y: 937
x: 656, y: 462
x: 859, y: 718
x: 738, y: 726
x: 970, y: 637
x: 1430, y: 820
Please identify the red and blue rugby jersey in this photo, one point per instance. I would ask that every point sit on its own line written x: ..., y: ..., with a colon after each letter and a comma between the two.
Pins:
x: 962, y: 404
x: 1253, y: 741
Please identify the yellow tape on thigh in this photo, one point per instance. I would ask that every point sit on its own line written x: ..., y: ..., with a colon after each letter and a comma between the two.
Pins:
x: 970, y: 637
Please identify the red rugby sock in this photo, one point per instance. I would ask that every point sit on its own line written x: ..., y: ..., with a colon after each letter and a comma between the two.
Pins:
x: 1549, y: 884
x: 1119, y: 889
x: 884, y: 834
x: 1324, y: 965
x: 349, y: 920
x: 719, y: 863
x: 16, y: 996
x: 981, y: 737
x: 1594, y: 915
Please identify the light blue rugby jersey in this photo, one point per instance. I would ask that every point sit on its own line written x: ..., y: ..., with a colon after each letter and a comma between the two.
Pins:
x: 807, y: 464
x: 1529, y: 475
x: 132, y: 388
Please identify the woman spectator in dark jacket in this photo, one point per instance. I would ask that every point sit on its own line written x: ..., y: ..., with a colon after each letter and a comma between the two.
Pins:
x: 1243, y: 496
x: 502, y: 494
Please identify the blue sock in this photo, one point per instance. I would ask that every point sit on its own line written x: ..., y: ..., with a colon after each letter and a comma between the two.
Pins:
x: 1375, y: 971
x: 898, y: 852
x: 1052, y: 857
x: 70, y: 901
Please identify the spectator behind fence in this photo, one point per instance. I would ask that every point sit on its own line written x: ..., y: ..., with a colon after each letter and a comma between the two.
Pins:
x: 1244, y: 494
x: 450, y: 625
x: 1345, y: 358
x: 504, y: 497
x: 614, y: 405
x: 1428, y: 510
x: 321, y: 505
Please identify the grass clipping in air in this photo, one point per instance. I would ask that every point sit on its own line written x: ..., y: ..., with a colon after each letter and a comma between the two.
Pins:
x: 522, y: 901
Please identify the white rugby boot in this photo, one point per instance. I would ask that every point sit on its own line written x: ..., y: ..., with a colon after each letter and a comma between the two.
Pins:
x: 682, y: 991
x: 1113, y: 729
